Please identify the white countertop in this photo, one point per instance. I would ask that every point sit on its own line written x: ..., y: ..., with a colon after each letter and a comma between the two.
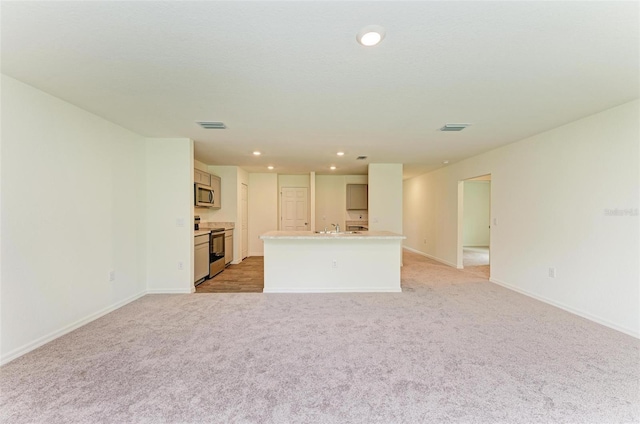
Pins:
x: 310, y: 235
x: 201, y: 232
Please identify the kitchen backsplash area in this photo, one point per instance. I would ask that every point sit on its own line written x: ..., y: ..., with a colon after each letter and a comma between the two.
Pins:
x: 208, y: 225
x: 357, y: 216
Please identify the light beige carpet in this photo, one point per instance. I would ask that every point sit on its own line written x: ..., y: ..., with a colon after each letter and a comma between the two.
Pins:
x: 452, y: 348
x: 476, y: 260
x: 475, y: 255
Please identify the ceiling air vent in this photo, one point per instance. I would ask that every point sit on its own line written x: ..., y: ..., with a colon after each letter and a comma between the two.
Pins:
x: 361, y: 158
x: 454, y: 127
x: 210, y: 125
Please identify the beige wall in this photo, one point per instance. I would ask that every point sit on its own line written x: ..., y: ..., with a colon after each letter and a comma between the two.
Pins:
x: 385, y: 197
x: 550, y: 194
x: 169, y: 199
x: 73, y: 207
x: 229, y: 187
x: 263, y: 209
x: 238, y: 236
x: 331, y: 200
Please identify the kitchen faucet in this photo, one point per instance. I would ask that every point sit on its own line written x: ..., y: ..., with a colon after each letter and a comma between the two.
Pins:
x: 337, y: 227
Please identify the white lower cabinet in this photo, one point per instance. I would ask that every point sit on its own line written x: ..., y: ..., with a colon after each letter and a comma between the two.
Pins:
x: 201, y: 254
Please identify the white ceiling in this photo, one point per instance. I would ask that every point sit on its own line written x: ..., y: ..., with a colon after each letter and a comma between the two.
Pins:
x: 289, y: 78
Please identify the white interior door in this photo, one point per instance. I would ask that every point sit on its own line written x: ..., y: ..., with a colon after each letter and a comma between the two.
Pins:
x: 293, y: 209
x: 245, y: 221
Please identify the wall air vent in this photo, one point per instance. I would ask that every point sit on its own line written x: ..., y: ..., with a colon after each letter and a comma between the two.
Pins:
x: 210, y: 125
x: 361, y: 158
x: 454, y: 127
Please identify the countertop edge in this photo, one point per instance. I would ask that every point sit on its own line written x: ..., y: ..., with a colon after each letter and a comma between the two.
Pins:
x: 308, y: 235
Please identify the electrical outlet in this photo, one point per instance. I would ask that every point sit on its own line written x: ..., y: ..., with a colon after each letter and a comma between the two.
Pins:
x: 179, y: 222
x: 424, y: 241
x: 180, y: 265
x: 552, y: 273
x: 112, y: 275
x: 335, y: 263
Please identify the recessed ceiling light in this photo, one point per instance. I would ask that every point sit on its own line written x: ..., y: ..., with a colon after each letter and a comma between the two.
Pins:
x: 340, y: 153
x: 332, y: 168
x: 270, y: 167
x: 445, y: 162
x: 257, y: 153
x: 370, y: 35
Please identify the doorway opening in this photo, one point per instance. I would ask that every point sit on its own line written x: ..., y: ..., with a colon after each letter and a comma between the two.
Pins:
x: 474, y: 225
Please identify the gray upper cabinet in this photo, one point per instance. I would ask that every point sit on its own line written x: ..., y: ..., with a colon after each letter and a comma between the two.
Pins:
x: 357, y: 196
x: 211, y: 200
x: 200, y: 177
x: 217, y: 193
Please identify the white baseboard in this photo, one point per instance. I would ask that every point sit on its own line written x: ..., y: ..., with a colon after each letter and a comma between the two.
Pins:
x: 442, y: 261
x: 169, y: 291
x: 570, y: 309
x: 341, y: 290
x: 10, y: 356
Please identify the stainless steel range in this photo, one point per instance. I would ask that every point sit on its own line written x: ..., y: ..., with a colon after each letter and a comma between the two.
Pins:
x: 216, y: 251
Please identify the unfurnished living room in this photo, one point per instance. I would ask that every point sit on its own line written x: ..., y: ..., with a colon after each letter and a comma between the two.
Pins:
x: 320, y: 212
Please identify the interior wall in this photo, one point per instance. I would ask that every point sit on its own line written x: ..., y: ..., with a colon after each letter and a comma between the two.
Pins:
x: 73, y: 194
x: 169, y: 217
x: 200, y: 165
x: 243, y: 178
x: 385, y: 197
x: 331, y: 200
x: 312, y: 200
x: 263, y: 209
x: 229, y: 202
x: 477, y: 213
x: 578, y: 216
x: 355, y: 215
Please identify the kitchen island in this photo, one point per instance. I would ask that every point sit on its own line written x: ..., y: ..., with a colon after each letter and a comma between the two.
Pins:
x: 308, y: 262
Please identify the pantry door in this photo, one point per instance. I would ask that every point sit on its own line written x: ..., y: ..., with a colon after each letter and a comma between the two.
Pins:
x: 293, y: 209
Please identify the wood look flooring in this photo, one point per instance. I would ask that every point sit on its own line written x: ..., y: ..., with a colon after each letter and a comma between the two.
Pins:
x: 245, y: 277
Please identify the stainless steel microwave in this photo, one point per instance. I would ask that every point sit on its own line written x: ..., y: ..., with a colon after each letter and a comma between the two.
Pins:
x: 205, y: 196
